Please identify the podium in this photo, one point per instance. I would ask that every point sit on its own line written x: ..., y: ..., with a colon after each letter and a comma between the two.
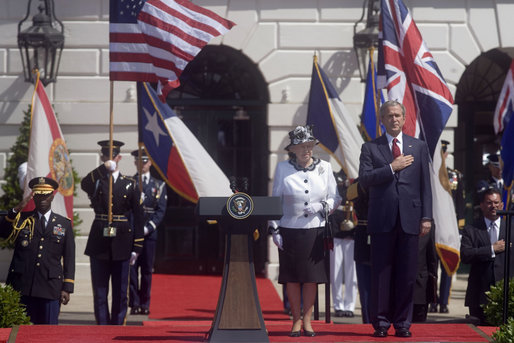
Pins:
x: 238, y: 316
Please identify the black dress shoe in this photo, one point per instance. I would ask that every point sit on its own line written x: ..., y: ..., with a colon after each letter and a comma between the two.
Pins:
x: 443, y: 309
x: 135, y: 310
x: 432, y: 308
x: 295, y: 333
x: 144, y: 311
x: 348, y: 314
x: 309, y: 333
x: 339, y: 313
x: 380, y: 332
x: 403, y: 333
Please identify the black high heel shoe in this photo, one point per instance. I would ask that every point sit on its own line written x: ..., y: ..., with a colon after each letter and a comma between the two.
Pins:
x: 295, y: 333
x: 308, y: 333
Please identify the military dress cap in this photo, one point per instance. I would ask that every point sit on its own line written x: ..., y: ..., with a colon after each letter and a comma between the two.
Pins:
x: 144, y: 155
x: 493, y: 159
x: 301, y: 134
x: 116, y: 145
x: 43, y: 185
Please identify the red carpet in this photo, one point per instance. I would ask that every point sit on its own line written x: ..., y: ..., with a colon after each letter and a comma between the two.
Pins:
x: 182, y: 310
x: 194, y: 297
x: 4, y: 335
x: 192, y: 332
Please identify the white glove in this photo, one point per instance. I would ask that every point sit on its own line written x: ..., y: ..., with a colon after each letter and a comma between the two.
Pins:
x: 146, y: 230
x: 133, y: 258
x: 313, y: 208
x: 110, y: 165
x: 277, y: 239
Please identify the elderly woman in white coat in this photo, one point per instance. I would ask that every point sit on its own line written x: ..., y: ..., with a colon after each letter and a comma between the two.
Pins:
x: 308, y: 190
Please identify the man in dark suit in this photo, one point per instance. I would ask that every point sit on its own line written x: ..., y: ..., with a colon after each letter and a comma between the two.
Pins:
x: 112, y: 246
x: 483, y: 247
x: 43, y: 265
x: 395, y: 170
x: 154, y: 207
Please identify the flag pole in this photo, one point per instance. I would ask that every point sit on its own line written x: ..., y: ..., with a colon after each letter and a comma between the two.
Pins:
x: 111, y: 126
x: 375, y: 93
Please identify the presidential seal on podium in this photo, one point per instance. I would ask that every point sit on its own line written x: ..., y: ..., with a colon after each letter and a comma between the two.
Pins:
x: 239, y: 205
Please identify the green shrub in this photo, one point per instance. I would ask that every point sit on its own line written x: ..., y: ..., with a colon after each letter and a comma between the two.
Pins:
x: 493, y: 310
x: 505, y: 334
x: 12, y: 312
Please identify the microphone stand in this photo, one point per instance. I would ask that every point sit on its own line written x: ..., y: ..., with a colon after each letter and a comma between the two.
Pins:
x: 506, y: 270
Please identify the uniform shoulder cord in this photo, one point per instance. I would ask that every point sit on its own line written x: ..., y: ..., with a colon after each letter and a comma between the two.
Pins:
x: 17, y: 228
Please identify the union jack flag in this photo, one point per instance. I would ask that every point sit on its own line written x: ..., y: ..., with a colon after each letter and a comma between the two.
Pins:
x: 408, y: 70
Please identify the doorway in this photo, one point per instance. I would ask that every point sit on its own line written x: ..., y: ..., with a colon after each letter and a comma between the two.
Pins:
x: 223, y: 101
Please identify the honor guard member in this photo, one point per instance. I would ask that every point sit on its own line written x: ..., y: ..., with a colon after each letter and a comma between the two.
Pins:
x: 154, y: 207
x: 111, y: 247
x: 43, y: 265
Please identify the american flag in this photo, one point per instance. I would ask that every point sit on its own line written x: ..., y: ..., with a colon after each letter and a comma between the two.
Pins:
x: 505, y: 105
x: 154, y: 40
x: 408, y: 70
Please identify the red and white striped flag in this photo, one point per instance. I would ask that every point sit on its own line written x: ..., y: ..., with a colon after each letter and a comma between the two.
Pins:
x: 505, y: 103
x: 48, y: 155
x: 154, y: 40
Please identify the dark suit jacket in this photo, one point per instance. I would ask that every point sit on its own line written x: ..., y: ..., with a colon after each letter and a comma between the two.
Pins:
x: 43, y: 262
x: 485, y: 270
x: 406, y: 192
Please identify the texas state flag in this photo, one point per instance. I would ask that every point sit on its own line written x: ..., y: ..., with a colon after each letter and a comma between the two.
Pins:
x: 175, y: 152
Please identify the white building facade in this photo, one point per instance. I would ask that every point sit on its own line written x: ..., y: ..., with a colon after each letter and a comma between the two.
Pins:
x: 279, y: 37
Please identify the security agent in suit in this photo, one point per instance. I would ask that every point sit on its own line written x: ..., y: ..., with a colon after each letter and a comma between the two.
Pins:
x: 483, y: 247
x: 112, y: 247
x: 154, y: 206
x: 43, y: 265
x: 400, y: 204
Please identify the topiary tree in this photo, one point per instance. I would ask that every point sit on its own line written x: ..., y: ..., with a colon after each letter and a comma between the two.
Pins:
x: 12, y: 312
x: 505, y: 334
x: 13, y: 194
x: 493, y: 310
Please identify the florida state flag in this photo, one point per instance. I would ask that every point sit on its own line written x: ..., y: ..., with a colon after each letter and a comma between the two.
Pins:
x: 48, y: 155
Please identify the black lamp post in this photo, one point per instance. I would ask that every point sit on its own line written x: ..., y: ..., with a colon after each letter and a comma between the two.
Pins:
x: 41, y: 44
x: 367, y: 38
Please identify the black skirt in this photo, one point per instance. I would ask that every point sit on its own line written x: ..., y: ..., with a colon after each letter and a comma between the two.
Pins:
x: 302, y: 259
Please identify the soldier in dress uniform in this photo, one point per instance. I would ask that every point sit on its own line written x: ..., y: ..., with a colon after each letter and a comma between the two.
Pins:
x: 495, y: 170
x: 154, y: 207
x: 362, y: 252
x: 112, y: 247
x: 43, y: 265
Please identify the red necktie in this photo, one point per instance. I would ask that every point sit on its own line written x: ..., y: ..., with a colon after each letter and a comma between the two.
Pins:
x: 396, y: 149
